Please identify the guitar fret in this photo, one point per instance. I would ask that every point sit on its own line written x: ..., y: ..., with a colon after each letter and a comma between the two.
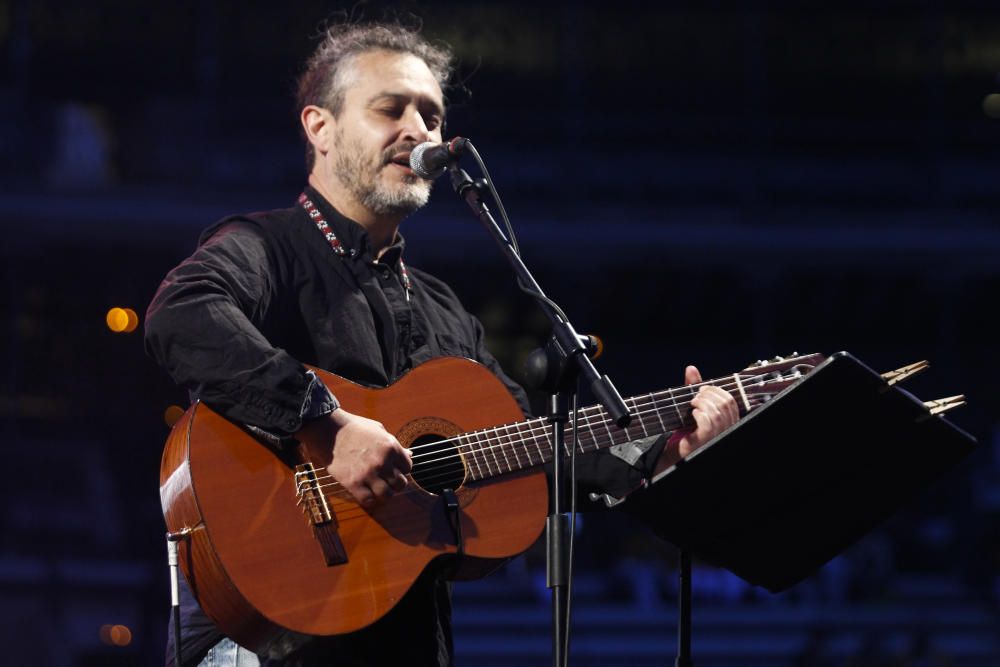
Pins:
x: 673, y: 398
x: 483, y: 458
x: 508, y: 447
x: 515, y: 443
x: 590, y: 427
x: 527, y: 447
x: 691, y: 394
x: 539, y: 432
x: 592, y: 413
x: 515, y: 438
x: 743, y: 394
x: 495, y: 457
x: 484, y: 454
x: 531, y: 432
x: 495, y: 445
x: 628, y: 436
x: 471, y: 456
x: 638, y: 414
x: 569, y: 434
x: 656, y: 410
x: 606, y: 420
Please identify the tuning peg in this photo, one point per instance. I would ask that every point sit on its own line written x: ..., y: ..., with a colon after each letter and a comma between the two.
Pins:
x: 900, y: 374
x: 942, y: 405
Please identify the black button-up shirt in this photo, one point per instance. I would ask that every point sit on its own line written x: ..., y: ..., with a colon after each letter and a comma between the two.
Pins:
x: 263, y: 294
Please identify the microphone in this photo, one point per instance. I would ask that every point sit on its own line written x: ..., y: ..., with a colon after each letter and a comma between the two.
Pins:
x: 429, y: 160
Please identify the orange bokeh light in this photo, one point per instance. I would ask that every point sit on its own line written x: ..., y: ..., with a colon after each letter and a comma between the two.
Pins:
x: 120, y: 635
x: 117, y: 319
x: 122, y: 320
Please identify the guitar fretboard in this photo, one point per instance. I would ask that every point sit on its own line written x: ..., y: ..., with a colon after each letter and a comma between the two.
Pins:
x: 511, y: 447
x: 504, y: 449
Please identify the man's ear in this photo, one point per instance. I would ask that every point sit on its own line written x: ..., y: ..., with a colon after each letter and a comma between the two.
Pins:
x: 319, y: 125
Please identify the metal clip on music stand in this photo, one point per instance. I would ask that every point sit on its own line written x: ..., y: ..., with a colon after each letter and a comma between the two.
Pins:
x: 802, y: 478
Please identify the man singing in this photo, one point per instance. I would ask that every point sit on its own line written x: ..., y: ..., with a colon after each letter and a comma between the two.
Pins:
x: 324, y: 283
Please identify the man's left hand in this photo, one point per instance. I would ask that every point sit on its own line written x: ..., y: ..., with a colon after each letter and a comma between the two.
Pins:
x: 713, y: 410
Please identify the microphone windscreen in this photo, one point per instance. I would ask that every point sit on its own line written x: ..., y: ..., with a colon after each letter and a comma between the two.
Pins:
x: 420, y: 162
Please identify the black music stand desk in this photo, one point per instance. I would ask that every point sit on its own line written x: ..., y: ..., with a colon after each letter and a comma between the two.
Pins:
x: 805, y: 476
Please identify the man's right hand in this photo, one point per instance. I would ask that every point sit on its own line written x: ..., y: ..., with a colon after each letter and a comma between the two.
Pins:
x: 367, y: 460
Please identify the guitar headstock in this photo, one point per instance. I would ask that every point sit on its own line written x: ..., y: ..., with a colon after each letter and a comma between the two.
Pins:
x: 767, y: 377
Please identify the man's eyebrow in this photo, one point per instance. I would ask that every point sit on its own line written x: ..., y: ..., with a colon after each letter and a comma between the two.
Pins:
x: 405, y: 99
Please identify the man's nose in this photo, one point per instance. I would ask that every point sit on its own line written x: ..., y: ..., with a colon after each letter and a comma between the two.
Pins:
x: 414, y: 128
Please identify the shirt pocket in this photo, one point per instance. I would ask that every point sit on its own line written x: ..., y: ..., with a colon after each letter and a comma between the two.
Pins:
x: 441, y: 345
x: 450, y: 346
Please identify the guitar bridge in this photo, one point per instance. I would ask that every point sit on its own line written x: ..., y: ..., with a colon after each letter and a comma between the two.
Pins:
x: 316, y: 507
x: 311, y: 499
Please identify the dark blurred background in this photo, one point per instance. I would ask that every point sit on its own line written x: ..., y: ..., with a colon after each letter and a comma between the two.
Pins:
x: 709, y: 182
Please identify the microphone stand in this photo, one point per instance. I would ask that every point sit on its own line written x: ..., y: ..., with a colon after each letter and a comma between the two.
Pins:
x: 571, y: 360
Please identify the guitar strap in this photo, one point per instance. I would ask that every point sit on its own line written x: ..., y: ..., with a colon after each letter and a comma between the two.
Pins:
x: 338, y: 247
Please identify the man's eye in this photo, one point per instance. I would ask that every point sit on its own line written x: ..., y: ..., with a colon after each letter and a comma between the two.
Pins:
x: 392, y: 112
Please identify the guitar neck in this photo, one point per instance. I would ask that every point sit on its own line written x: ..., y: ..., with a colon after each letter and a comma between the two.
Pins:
x: 511, y: 447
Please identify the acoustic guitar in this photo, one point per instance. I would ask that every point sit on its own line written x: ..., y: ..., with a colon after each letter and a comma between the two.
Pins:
x: 275, y: 544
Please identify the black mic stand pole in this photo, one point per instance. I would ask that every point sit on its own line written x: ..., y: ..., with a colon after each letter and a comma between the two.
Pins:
x: 569, y: 349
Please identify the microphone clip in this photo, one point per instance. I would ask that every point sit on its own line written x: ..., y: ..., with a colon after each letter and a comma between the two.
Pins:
x: 461, y: 182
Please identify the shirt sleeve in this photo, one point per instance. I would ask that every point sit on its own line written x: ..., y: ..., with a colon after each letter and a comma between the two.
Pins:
x: 203, y: 327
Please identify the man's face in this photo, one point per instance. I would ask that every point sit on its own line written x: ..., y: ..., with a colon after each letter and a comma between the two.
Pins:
x: 392, y: 103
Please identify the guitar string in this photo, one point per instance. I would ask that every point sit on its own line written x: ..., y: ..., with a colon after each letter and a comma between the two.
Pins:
x: 475, y: 456
x: 478, y: 453
x: 599, y: 442
x: 355, y: 511
x: 343, y: 494
x: 537, y: 425
x: 726, y: 383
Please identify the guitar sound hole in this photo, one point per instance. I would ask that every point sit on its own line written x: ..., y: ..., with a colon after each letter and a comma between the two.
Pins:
x: 436, y: 464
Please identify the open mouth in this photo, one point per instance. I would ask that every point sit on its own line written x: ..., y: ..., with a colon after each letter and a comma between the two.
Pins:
x: 401, y: 159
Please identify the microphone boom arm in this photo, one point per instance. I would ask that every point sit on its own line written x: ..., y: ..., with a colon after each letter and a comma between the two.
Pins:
x: 566, y: 337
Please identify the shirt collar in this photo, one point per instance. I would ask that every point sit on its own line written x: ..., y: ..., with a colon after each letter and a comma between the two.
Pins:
x: 352, y: 236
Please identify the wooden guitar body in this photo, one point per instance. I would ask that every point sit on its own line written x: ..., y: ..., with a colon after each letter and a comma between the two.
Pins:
x: 256, y: 560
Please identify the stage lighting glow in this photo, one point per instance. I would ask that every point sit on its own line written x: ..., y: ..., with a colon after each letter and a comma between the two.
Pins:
x: 122, y: 320
x: 120, y: 635
x: 133, y: 320
x: 172, y: 414
x: 117, y: 319
x: 991, y: 105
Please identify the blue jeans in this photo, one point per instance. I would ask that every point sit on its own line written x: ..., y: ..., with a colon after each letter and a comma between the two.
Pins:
x: 228, y: 653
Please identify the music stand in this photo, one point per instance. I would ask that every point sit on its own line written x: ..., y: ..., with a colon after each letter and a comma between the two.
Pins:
x: 803, y: 477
